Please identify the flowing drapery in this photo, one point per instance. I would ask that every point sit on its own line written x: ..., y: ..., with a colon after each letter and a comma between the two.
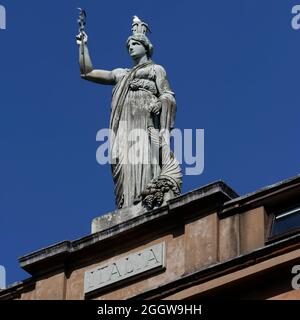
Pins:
x: 140, y: 151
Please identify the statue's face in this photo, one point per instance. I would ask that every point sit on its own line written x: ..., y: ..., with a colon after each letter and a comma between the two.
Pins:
x: 136, y: 49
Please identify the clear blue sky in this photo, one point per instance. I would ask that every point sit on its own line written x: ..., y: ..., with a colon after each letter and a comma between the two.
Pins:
x: 233, y: 65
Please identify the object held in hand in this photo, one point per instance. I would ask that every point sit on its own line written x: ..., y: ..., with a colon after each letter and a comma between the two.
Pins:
x: 82, y: 36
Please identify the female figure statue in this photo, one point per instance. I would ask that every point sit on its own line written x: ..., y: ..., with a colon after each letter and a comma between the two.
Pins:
x: 142, y: 114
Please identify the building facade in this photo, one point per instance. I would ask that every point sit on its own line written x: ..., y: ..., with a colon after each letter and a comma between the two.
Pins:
x: 208, y: 243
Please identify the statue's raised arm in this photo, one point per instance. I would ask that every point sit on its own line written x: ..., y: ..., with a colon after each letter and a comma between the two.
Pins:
x: 86, y: 67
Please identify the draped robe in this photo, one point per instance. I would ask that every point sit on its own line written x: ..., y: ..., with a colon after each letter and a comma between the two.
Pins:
x: 138, y: 148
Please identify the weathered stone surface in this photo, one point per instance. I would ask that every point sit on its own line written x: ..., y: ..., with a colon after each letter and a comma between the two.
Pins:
x: 174, y: 270
x: 116, y: 217
x: 218, y: 192
x: 51, y: 288
x: 229, y: 237
x: 201, y: 242
x: 149, y: 259
x: 269, y: 195
x: 206, y: 252
x: 252, y: 229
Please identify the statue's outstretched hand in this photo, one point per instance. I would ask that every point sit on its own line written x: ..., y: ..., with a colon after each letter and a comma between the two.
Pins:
x: 79, y: 38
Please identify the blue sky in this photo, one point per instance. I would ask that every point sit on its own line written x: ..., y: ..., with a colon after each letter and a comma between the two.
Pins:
x: 233, y: 65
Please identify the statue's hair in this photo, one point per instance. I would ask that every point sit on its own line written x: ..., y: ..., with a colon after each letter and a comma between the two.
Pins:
x: 140, y: 37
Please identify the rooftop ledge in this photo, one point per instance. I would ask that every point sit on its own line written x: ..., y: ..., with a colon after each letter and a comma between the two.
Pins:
x: 217, y: 196
x: 112, y: 224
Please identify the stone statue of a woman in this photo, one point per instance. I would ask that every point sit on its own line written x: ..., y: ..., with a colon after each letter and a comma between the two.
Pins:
x: 143, y: 109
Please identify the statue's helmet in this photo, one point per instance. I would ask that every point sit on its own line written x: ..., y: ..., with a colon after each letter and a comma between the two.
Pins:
x: 139, y: 30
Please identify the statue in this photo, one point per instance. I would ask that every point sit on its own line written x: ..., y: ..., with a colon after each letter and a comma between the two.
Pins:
x: 145, y: 171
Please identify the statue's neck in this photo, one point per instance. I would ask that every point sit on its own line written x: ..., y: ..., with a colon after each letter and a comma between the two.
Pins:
x: 140, y: 60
